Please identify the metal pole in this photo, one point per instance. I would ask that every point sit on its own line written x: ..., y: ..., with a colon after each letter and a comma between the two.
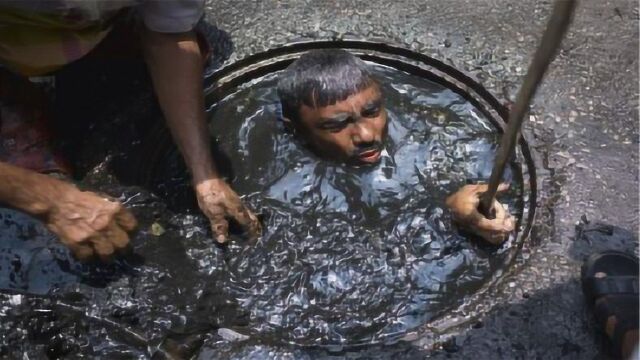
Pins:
x: 551, y: 39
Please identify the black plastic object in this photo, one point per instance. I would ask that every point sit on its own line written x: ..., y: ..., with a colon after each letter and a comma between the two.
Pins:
x: 619, y: 288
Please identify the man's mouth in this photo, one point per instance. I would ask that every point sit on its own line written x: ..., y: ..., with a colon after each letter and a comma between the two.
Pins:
x: 370, y: 156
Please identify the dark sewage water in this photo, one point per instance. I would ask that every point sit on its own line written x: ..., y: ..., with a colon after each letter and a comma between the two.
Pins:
x: 349, y: 255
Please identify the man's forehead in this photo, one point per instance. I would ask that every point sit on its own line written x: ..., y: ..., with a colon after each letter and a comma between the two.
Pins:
x: 360, y: 99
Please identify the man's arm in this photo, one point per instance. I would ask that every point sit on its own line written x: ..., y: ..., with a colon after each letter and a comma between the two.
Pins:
x: 85, y: 222
x: 176, y: 67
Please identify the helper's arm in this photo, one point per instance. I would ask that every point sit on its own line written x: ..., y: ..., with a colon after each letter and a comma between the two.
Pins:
x: 176, y: 67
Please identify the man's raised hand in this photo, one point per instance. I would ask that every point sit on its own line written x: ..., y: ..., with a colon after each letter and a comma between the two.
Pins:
x: 464, y: 207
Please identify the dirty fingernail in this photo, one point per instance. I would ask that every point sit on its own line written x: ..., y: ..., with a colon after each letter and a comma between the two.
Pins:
x: 221, y: 238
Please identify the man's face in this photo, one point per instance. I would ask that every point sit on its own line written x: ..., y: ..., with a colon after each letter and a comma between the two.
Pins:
x: 351, y: 130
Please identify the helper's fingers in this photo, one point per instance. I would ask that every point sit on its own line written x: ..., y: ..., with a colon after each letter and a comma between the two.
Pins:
x: 81, y: 251
x: 248, y: 221
x: 126, y: 220
x: 102, y: 247
x: 220, y: 228
x: 117, y: 236
x: 76, y: 233
x: 241, y: 216
x: 256, y: 227
x: 219, y: 225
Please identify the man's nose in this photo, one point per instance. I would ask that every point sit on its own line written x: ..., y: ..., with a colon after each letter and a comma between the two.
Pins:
x: 363, y: 133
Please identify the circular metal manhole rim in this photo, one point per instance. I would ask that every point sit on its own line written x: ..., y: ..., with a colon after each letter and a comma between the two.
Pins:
x: 221, y: 82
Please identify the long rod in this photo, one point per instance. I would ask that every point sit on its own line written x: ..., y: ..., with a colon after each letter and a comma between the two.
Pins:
x: 551, y: 39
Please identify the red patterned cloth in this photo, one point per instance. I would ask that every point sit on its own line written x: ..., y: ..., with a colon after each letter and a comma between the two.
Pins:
x: 25, y: 141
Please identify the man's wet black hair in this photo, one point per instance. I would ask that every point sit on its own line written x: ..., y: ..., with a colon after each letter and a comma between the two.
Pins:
x: 321, y: 78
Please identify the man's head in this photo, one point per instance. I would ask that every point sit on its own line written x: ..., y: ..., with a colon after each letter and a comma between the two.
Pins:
x: 330, y: 99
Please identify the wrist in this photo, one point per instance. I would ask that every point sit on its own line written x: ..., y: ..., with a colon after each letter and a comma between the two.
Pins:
x: 50, y: 192
x: 38, y: 194
x: 204, y: 173
x: 205, y: 186
x: 200, y: 177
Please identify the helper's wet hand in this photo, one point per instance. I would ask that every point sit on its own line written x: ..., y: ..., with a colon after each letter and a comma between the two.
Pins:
x: 221, y: 204
x: 464, y: 206
x: 89, y: 224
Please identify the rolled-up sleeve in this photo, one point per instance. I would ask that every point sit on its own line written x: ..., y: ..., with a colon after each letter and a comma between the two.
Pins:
x: 171, y: 16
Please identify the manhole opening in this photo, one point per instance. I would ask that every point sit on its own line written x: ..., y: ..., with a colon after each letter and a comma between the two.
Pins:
x: 334, y: 268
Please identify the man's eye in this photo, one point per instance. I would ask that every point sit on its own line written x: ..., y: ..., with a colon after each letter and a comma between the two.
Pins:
x: 335, y: 127
x: 373, y: 112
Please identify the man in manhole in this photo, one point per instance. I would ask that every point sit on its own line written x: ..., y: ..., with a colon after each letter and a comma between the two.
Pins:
x: 330, y: 101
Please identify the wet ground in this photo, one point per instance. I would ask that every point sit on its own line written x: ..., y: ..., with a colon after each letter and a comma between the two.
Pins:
x: 584, y: 126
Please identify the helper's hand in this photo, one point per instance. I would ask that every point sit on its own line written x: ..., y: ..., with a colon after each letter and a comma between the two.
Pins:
x: 464, y: 206
x: 220, y: 204
x: 89, y: 224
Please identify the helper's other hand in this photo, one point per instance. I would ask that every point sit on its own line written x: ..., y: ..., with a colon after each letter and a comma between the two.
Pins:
x: 89, y: 224
x: 220, y: 204
x: 464, y: 206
